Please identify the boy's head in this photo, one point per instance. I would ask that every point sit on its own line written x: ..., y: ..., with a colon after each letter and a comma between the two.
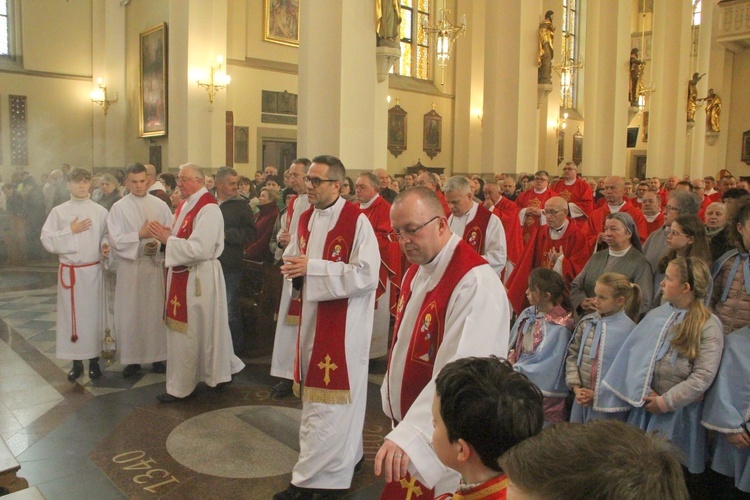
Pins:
x: 603, y: 458
x: 79, y: 182
x: 482, y: 407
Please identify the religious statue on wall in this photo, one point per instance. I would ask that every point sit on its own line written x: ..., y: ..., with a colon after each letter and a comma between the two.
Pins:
x: 692, y: 96
x: 636, y: 73
x: 546, y: 52
x: 388, y: 14
x: 713, y: 111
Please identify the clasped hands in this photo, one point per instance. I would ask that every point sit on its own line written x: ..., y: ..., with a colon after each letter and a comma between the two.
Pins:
x: 157, y: 230
x: 294, y: 267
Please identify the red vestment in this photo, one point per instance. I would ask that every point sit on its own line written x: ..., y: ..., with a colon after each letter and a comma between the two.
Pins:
x: 532, y: 199
x: 579, y: 193
x: 653, y: 226
x: 598, y: 216
x: 508, y: 213
x: 390, y: 253
x: 574, y: 249
x: 444, y: 202
x: 704, y: 205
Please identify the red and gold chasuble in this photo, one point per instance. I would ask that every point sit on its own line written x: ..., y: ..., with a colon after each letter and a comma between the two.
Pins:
x: 532, y: 199
x: 327, y: 377
x: 475, y: 232
x: 176, y: 303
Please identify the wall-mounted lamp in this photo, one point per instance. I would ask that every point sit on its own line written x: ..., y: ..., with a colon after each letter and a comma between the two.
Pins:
x: 99, y: 96
x: 561, y: 123
x: 219, y: 80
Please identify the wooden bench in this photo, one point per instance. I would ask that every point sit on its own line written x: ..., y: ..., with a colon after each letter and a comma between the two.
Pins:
x: 9, y: 467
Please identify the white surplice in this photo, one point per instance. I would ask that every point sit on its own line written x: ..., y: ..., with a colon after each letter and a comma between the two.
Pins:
x: 285, y: 340
x: 495, y: 250
x: 476, y: 324
x: 78, y: 249
x: 139, y: 293
x: 331, y: 434
x: 204, y: 353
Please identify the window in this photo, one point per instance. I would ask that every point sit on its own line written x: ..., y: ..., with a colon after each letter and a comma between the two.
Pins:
x: 415, y: 45
x: 568, y: 79
x: 4, y: 33
x: 696, y: 12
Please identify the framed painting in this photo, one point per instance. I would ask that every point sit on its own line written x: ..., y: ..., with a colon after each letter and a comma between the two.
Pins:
x: 153, y: 102
x: 281, y: 20
x: 432, y: 134
x: 746, y: 147
x: 396, y: 130
x: 241, y: 144
x: 578, y: 148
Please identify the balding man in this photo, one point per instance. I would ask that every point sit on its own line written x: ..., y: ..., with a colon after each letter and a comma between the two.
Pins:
x: 199, y: 343
x: 614, y: 194
x: 155, y: 187
x: 452, y: 305
x: 725, y: 184
x: 432, y: 182
x: 476, y: 225
x: 558, y: 245
x: 672, y: 182
x: 531, y: 202
x: 654, y: 185
x: 509, y: 188
x: 508, y: 213
x: 577, y: 193
x: 385, y: 181
x: 377, y: 210
x: 651, y: 209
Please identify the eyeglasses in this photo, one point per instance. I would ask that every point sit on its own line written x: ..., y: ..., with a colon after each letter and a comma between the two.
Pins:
x: 315, y: 181
x: 541, y: 178
x: 670, y: 208
x: 672, y: 232
x: 182, y: 180
x: 549, y: 211
x: 395, y: 236
x: 568, y: 168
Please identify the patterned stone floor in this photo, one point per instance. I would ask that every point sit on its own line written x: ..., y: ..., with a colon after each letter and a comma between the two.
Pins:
x: 109, y: 438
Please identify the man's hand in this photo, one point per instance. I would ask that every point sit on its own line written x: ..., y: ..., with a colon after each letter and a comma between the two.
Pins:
x: 159, y: 231
x: 393, y: 460
x: 144, y: 232
x: 584, y: 397
x: 294, y: 267
x: 284, y: 237
x: 555, y: 253
x: 79, y: 226
x: 588, y: 305
x: 535, y: 211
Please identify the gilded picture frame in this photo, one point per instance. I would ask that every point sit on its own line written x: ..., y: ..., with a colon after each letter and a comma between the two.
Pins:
x: 432, y: 138
x: 396, y: 130
x: 281, y: 22
x: 153, y: 83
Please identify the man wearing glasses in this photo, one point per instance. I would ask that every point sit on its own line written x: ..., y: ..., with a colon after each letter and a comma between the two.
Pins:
x: 199, y: 342
x: 531, y: 202
x: 577, y: 193
x: 452, y: 305
x: 615, y: 201
x: 333, y: 262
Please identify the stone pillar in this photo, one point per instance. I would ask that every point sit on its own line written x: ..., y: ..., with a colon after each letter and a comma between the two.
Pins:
x: 667, y: 133
x: 697, y: 136
x: 342, y: 107
x: 605, y: 103
x: 509, y: 118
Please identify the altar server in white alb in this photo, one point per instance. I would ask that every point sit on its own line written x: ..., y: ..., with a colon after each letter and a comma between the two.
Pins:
x: 142, y: 336
x: 76, y: 231
x: 334, y: 263
x: 452, y: 305
x: 199, y: 344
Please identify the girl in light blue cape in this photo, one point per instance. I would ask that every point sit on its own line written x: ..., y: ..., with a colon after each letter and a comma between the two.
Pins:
x: 596, y: 340
x: 727, y: 410
x: 539, y: 340
x: 668, y: 362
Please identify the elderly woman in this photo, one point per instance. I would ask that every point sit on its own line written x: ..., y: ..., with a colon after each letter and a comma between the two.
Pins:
x: 716, y: 222
x: 110, y: 194
x: 623, y: 256
x: 258, y: 250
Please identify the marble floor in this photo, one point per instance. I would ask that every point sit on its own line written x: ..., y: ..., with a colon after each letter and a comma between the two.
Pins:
x: 110, y: 438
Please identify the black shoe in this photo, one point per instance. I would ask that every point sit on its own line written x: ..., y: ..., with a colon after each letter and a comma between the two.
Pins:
x: 358, y: 466
x: 296, y: 493
x: 130, y: 370
x: 159, y: 367
x: 221, y: 387
x: 168, y: 398
x: 76, y: 371
x: 283, y: 388
x: 94, y: 371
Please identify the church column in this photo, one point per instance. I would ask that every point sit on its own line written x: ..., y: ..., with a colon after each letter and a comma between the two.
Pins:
x: 342, y: 107
x: 697, y: 135
x: 667, y: 135
x: 605, y: 103
x: 509, y: 117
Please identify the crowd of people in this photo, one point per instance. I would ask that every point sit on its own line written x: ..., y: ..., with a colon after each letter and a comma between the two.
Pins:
x: 615, y: 300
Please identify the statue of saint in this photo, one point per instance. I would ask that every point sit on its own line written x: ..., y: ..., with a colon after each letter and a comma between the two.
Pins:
x: 636, y: 72
x: 388, y: 15
x: 692, y: 97
x: 546, y: 48
x: 713, y: 111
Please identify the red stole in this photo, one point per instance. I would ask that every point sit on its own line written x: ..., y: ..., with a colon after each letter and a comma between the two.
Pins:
x: 475, y: 231
x: 408, y: 488
x: 428, y: 330
x: 508, y: 213
x: 390, y: 253
x: 295, y: 305
x: 327, y: 378
x: 177, y: 315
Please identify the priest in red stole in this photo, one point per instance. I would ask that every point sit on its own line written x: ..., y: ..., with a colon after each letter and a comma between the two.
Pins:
x: 614, y: 194
x: 432, y: 182
x: 507, y: 210
x: 199, y: 343
x: 559, y: 245
x: 531, y: 202
x: 452, y: 305
x: 478, y: 227
x: 651, y: 208
x: 333, y: 265
x: 577, y: 193
x: 377, y: 210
